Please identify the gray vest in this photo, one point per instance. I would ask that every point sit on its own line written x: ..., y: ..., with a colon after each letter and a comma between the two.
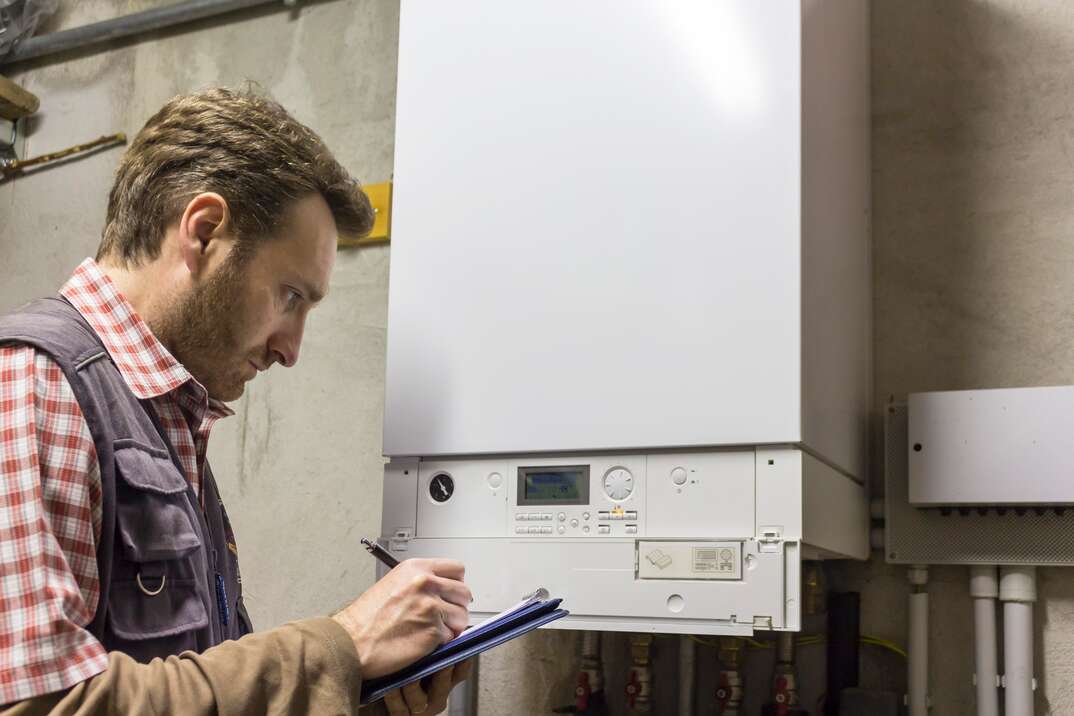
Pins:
x: 168, y: 581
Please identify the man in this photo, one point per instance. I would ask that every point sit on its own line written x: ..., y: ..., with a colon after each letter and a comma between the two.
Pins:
x: 119, y: 580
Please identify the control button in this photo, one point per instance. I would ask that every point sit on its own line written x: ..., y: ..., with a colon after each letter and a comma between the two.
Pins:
x: 630, y: 515
x: 561, y: 529
x: 631, y: 529
x: 546, y: 516
x: 519, y: 517
x: 495, y: 479
x: 604, y: 529
x: 520, y: 530
x: 586, y: 529
x: 585, y: 515
x: 574, y: 523
x: 547, y: 530
x: 562, y: 516
x: 678, y: 476
x: 602, y: 515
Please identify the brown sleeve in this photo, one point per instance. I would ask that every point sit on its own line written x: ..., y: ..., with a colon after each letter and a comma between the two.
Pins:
x: 305, y: 667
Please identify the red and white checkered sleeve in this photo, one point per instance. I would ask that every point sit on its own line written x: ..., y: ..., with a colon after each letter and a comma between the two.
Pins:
x: 49, y: 524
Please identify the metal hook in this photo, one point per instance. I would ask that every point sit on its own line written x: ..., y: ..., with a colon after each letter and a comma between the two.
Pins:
x: 163, y: 581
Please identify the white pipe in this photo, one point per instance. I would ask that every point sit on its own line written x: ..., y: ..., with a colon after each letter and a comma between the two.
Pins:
x: 687, y: 653
x: 917, y: 675
x: 984, y: 588
x: 1018, y: 591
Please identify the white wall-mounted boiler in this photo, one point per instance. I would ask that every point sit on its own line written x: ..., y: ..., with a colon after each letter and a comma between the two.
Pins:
x: 629, y: 312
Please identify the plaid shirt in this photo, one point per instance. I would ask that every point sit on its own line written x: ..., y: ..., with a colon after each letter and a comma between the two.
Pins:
x: 50, y: 491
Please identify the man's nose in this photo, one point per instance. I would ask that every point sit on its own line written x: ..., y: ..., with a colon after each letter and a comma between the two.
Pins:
x: 284, y: 346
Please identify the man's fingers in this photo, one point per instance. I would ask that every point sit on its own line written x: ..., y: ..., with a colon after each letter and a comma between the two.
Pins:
x: 451, y: 590
x: 444, y: 631
x: 393, y: 700
x: 415, y: 697
x: 462, y: 671
x: 439, y: 690
x: 448, y: 568
x: 456, y: 618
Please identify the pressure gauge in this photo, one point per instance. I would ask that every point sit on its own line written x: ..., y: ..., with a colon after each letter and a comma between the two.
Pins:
x: 441, y: 487
x: 618, y: 483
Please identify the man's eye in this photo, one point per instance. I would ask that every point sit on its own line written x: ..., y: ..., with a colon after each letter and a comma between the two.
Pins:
x: 293, y: 297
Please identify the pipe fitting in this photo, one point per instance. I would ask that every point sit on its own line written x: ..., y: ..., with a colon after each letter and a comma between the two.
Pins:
x: 876, y: 539
x: 1018, y: 584
x: 984, y: 583
x: 918, y: 575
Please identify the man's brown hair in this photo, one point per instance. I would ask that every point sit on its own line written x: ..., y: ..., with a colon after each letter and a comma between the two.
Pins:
x: 239, y: 144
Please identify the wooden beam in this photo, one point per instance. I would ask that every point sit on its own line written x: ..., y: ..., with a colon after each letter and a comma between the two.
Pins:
x: 15, y: 102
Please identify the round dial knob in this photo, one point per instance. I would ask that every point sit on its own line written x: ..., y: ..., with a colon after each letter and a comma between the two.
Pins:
x: 618, y: 483
x: 441, y: 487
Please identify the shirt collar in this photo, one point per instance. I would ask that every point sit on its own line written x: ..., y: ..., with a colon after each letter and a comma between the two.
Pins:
x: 147, y: 367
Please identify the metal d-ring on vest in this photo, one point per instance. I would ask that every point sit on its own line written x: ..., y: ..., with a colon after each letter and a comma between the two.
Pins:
x: 163, y: 580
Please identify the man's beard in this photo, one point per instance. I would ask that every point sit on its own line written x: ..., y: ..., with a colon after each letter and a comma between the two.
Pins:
x: 202, y: 331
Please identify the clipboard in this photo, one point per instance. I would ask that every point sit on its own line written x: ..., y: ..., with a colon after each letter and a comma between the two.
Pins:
x: 523, y: 618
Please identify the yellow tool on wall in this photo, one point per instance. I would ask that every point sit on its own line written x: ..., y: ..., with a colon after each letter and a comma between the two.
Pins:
x: 380, y: 196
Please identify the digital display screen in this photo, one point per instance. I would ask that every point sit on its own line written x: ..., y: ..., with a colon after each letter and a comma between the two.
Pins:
x: 558, y: 486
x: 567, y: 485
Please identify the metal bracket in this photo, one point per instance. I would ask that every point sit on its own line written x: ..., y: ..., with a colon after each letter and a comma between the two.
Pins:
x: 8, y: 155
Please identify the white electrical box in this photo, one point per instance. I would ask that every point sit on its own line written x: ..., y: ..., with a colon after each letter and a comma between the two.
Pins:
x: 1007, y: 446
x: 630, y: 257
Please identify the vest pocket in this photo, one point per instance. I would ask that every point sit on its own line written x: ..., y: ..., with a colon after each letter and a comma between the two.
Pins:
x: 176, y: 609
x: 155, y: 605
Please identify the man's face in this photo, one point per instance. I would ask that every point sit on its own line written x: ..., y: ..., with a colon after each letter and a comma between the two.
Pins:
x: 251, y: 311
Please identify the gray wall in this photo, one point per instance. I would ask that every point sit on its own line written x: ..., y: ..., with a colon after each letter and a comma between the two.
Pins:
x: 973, y: 160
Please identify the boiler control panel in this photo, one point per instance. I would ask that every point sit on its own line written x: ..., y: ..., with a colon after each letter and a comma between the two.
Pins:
x: 688, y: 542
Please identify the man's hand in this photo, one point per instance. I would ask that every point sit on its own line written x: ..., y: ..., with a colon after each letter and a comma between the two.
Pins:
x: 415, y: 608
x: 412, y: 698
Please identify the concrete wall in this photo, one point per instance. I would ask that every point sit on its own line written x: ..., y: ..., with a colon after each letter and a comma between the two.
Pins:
x: 973, y: 158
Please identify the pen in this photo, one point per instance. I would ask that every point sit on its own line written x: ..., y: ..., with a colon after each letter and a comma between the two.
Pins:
x: 386, y: 558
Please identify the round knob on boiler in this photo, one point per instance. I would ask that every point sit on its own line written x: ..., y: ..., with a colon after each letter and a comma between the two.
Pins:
x: 618, y: 483
x: 678, y: 476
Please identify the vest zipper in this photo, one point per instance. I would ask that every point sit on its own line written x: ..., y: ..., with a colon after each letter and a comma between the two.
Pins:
x: 221, y: 594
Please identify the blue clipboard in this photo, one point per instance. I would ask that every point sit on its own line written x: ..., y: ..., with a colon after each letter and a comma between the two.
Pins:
x: 505, y: 623
x: 466, y: 645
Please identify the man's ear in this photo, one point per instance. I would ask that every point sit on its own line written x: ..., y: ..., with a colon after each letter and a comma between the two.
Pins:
x: 204, y: 231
